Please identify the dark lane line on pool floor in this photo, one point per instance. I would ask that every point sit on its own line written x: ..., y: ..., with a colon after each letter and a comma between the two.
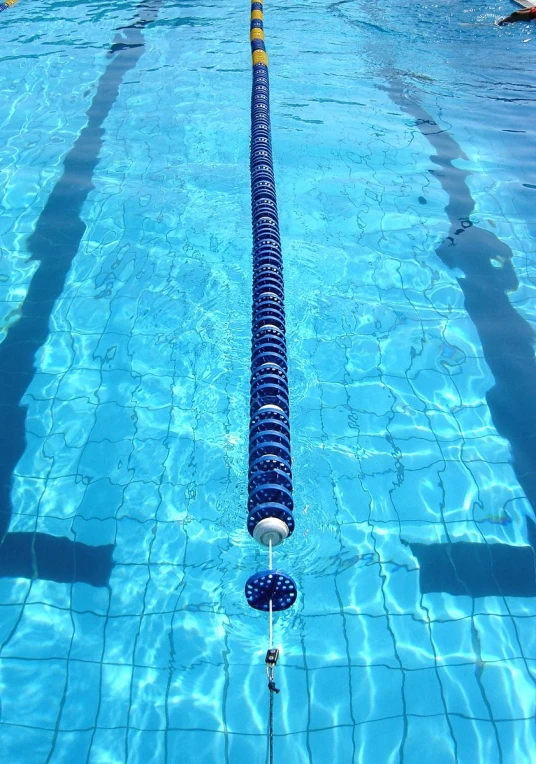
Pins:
x: 507, y: 341
x: 477, y: 569
x: 54, y: 244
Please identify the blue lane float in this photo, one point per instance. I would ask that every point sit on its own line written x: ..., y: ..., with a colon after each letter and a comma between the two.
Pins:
x: 271, y: 585
x: 270, y: 505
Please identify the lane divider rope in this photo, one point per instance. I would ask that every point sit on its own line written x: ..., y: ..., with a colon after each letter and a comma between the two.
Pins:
x: 270, y: 517
x: 270, y: 504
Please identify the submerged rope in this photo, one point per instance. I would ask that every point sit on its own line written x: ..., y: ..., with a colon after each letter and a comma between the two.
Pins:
x: 271, y: 730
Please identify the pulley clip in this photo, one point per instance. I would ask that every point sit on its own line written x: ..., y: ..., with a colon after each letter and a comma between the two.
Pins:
x: 272, y: 656
x: 271, y: 659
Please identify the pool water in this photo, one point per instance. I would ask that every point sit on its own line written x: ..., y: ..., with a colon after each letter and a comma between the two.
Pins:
x: 404, y: 147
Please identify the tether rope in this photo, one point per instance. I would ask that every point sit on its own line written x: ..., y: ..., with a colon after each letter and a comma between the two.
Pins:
x: 271, y: 730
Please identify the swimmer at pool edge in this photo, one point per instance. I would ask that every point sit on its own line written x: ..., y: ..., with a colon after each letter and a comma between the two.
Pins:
x: 526, y: 14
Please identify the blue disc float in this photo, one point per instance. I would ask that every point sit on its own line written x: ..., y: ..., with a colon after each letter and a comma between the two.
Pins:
x: 271, y: 585
x: 270, y: 505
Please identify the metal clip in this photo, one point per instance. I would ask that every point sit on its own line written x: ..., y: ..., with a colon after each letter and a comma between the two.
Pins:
x: 272, y: 656
x: 271, y: 659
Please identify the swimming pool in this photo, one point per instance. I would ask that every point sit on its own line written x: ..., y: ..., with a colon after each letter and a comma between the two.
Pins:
x: 404, y: 154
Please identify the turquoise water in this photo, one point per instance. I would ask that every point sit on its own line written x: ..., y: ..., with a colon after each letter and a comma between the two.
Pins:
x: 136, y: 418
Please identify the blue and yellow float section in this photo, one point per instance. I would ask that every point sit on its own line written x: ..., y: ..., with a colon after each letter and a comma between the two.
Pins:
x: 7, y: 4
x: 270, y: 503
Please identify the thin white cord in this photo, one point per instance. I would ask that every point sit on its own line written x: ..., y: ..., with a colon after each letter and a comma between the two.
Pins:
x: 270, y: 604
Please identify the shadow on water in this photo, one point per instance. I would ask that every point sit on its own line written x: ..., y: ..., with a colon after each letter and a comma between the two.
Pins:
x: 54, y: 243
